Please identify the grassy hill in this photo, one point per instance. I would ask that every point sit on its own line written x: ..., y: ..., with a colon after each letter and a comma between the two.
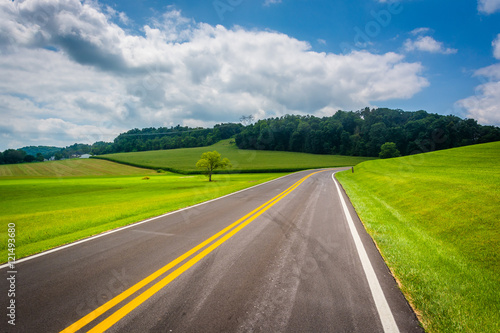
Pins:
x: 436, y: 219
x: 77, y: 167
x: 184, y: 160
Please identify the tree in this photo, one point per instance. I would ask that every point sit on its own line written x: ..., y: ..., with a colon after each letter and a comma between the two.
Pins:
x: 13, y: 156
x: 210, y: 161
x: 388, y: 150
x: 39, y: 157
x: 377, y: 135
x: 29, y: 158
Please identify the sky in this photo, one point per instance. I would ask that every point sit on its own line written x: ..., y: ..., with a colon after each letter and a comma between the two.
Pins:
x: 84, y: 71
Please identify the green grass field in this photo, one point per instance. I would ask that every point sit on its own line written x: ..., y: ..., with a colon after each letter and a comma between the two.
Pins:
x: 184, y: 160
x: 58, y: 208
x: 69, y: 168
x: 436, y: 219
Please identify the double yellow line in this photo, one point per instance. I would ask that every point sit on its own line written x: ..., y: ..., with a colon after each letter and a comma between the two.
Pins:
x: 211, y: 244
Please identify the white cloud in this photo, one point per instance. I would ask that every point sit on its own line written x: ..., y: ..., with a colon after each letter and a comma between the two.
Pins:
x: 48, y: 99
x: 496, y: 47
x: 271, y: 2
x: 427, y: 44
x: 488, y: 6
x: 485, y: 104
x: 102, y: 80
x: 491, y: 72
x: 419, y: 31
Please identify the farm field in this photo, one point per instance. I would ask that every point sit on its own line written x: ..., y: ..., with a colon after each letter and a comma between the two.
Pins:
x: 69, y: 168
x: 184, y: 160
x: 51, y: 207
x: 436, y: 220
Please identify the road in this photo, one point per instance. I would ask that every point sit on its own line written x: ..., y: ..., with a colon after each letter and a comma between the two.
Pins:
x: 278, y: 257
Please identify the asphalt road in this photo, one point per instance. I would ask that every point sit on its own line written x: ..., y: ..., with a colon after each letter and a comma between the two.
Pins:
x: 279, y: 257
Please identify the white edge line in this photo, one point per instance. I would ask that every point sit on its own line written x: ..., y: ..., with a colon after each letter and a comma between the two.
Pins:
x: 134, y: 224
x: 384, y: 311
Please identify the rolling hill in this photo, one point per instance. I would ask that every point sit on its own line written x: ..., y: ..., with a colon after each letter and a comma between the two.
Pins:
x: 69, y: 168
x: 436, y: 220
x: 183, y: 160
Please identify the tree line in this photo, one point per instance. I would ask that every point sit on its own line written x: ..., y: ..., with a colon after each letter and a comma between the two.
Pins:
x: 131, y: 141
x: 41, y: 153
x: 166, y: 138
x: 357, y: 133
x: 363, y: 132
x: 14, y: 156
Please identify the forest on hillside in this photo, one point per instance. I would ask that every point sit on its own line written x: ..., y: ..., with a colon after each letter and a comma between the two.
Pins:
x: 362, y: 133
x: 356, y: 133
x: 167, y: 138
x: 131, y: 141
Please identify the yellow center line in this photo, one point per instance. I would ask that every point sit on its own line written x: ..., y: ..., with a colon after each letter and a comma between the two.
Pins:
x: 120, y: 313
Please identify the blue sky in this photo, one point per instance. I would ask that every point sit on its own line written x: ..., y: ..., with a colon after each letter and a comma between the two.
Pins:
x: 77, y: 71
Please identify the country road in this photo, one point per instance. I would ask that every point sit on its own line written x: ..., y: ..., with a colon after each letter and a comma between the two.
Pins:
x: 289, y: 255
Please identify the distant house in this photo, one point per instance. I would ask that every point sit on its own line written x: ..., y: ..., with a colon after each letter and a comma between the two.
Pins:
x: 85, y: 156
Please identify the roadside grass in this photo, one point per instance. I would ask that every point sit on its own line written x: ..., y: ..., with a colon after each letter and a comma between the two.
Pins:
x: 436, y: 220
x: 69, y: 168
x: 184, y: 160
x: 49, y: 212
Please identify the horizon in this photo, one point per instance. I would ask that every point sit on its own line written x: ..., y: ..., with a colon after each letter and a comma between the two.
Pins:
x: 244, y: 122
x: 195, y: 128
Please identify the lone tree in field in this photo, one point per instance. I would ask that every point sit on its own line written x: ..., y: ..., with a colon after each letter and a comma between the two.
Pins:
x: 210, y: 161
x: 388, y: 150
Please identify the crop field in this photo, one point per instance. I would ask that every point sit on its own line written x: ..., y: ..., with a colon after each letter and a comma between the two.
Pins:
x: 184, y: 160
x: 60, y: 208
x: 69, y: 168
x: 436, y: 219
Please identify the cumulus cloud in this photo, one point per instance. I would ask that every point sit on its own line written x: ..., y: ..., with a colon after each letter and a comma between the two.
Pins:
x: 70, y: 74
x: 485, y: 104
x: 427, y: 44
x: 488, y: 6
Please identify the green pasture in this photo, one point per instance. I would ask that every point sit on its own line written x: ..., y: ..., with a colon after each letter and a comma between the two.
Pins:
x: 52, y: 211
x: 436, y: 219
x: 184, y: 160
